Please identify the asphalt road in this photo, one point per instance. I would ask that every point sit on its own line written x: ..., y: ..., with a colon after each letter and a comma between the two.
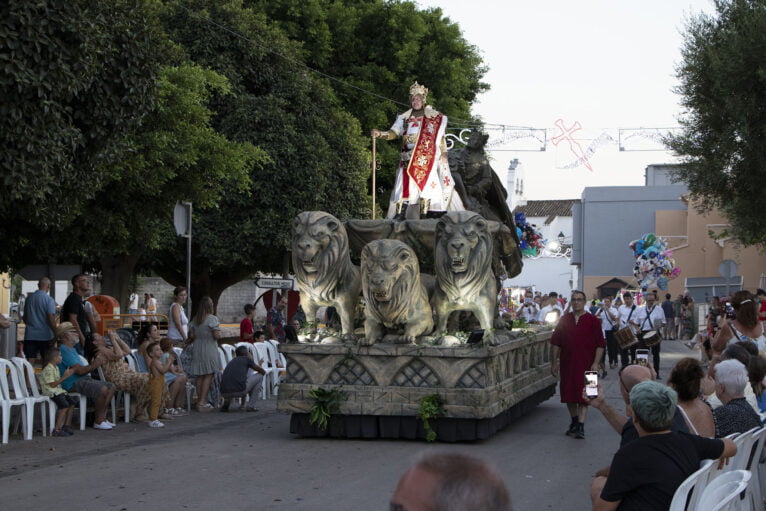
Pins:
x: 232, y: 461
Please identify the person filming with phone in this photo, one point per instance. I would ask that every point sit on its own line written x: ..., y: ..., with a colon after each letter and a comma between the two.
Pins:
x: 577, y: 347
x: 739, y: 323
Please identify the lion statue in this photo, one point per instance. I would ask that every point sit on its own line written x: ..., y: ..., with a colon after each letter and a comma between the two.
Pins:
x: 323, y: 268
x: 395, y: 297
x: 463, y: 267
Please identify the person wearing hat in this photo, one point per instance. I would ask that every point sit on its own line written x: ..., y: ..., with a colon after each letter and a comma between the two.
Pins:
x: 100, y: 392
x: 423, y: 174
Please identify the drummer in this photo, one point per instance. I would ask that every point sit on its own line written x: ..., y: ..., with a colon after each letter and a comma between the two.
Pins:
x: 628, y: 315
x: 651, y: 319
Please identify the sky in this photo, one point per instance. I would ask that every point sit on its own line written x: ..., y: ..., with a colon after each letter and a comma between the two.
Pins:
x: 605, y: 64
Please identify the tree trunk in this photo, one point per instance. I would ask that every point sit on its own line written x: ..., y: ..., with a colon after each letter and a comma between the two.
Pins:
x: 116, y: 273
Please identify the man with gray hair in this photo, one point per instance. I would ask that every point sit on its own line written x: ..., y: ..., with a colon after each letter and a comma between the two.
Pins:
x: 736, y: 415
x: 450, y: 482
x: 646, y: 472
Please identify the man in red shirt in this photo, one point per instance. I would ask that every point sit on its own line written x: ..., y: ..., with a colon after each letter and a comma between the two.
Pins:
x: 246, y: 326
x: 578, y: 344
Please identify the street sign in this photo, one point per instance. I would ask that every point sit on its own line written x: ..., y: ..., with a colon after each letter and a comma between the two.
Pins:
x: 269, y: 283
x: 181, y: 218
x: 727, y: 269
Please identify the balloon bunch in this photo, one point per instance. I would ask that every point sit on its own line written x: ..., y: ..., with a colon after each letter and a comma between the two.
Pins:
x: 654, y: 262
x: 531, y: 240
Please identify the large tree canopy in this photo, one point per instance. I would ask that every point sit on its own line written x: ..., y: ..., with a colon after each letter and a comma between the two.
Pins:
x: 723, y: 89
x: 78, y: 77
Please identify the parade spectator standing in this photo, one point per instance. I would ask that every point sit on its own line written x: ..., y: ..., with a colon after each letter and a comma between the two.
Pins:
x: 100, y: 392
x: 760, y: 296
x: 646, y: 473
x: 628, y: 318
x: 177, y: 321
x: 246, y: 325
x: 668, y: 332
x: 450, y: 481
x: 133, y: 303
x: 151, y: 308
x: 528, y: 310
x: 745, y: 325
x: 736, y: 415
x: 73, y: 310
x: 610, y: 323
x: 156, y: 384
x: 650, y: 318
x: 578, y: 345
x: 276, y: 319
x: 204, y: 332
x: 677, y: 312
x: 40, y: 321
x: 50, y: 385
x: 242, y: 375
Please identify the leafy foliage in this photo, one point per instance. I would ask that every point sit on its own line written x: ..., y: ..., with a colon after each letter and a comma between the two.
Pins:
x: 723, y: 89
x: 431, y: 407
x: 326, y: 404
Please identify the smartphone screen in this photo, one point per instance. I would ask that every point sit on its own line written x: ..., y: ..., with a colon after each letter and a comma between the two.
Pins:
x: 642, y: 357
x: 591, y: 383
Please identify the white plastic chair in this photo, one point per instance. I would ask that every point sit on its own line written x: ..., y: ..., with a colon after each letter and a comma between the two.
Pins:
x: 30, y: 392
x: 229, y: 350
x: 691, y: 489
x: 189, y: 384
x: 222, y: 358
x: 745, y: 442
x: 753, y: 464
x: 278, y: 362
x: 8, y: 372
x: 723, y: 492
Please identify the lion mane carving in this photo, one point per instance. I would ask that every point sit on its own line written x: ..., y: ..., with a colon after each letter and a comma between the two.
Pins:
x: 323, y: 268
x: 395, y: 297
x: 463, y: 267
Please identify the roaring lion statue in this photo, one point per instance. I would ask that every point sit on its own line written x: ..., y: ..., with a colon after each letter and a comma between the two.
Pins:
x: 463, y: 267
x: 323, y: 267
x: 395, y: 297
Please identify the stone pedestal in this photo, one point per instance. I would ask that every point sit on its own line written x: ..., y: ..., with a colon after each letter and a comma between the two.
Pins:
x: 483, y: 388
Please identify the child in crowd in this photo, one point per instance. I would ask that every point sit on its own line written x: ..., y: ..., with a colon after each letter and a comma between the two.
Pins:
x: 259, y: 336
x: 157, y: 372
x: 175, y: 378
x: 241, y: 376
x: 246, y: 326
x: 50, y: 381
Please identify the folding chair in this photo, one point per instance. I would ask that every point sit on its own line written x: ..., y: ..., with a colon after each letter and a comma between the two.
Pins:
x: 30, y: 392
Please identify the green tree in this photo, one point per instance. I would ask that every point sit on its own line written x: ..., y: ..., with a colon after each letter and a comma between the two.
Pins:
x: 78, y: 78
x: 317, y: 158
x: 723, y: 90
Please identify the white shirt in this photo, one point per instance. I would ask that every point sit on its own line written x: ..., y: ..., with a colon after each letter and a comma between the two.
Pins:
x: 528, y: 311
x: 625, y: 311
x: 133, y: 301
x: 606, y: 320
x: 548, y: 308
x: 647, y: 318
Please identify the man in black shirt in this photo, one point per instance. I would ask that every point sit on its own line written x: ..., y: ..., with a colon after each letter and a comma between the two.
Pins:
x: 74, y: 310
x: 242, y: 377
x: 646, y: 473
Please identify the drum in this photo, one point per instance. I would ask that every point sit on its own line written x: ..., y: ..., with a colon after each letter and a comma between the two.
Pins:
x: 650, y: 338
x: 626, y: 338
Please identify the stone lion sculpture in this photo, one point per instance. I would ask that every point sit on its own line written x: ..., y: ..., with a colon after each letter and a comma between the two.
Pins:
x: 394, y: 295
x: 323, y: 268
x: 463, y: 267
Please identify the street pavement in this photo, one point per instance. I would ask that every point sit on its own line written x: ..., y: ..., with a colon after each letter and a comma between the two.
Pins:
x: 237, y: 460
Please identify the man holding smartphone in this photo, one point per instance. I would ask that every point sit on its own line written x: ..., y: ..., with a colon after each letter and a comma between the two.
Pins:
x: 577, y: 347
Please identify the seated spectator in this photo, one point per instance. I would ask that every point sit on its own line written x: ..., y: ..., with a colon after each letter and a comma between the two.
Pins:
x: 100, y: 392
x: 736, y: 415
x: 246, y: 325
x: 450, y: 481
x: 50, y: 385
x: 241, y: 376
x: 646, y: 473
x: 629, y: 377
x: 756, y: 373
x: 686, y: 379
x: 732, y: 352
x: 175, y: 378
x: 259, y: 336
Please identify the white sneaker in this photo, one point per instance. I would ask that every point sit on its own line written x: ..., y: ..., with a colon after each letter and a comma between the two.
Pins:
x: 110, y: 423
x: 104, y: 426
x: 156, y: 424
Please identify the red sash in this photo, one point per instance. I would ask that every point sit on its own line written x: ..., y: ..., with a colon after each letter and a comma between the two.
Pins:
x: 424, y: 152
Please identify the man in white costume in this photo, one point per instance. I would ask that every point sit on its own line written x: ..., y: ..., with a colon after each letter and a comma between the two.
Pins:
x: 423, y: 172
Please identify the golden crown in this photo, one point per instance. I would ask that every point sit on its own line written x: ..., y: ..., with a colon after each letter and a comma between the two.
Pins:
x: 416, y: 88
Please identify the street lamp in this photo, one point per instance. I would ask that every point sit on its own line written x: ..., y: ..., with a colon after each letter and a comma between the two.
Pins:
x: 561, y: 237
